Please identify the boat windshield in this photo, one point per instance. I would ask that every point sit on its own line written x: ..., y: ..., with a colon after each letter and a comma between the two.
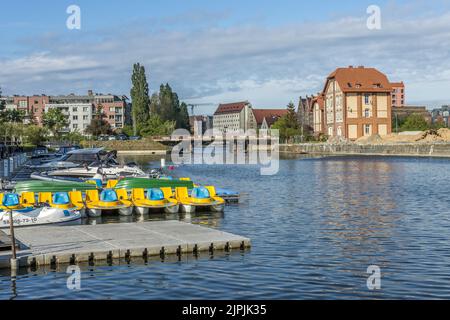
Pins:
x: 80, y: 158
x: 200, y: 193
x: 10, y: 200
x: 108, y: 195
x: 61, y: 198
x: 155, y: 194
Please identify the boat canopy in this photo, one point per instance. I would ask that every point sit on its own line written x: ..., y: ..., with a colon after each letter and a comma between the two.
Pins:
x: 155, y: 194
x: 200, y: 193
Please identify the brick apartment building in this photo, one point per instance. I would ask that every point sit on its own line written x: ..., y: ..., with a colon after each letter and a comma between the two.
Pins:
x: 78, y: 108
x: 357, y: 102
x: 398, y: 94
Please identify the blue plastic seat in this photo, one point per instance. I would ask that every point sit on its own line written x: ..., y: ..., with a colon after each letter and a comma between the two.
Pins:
x: 11, y: 200
x: 155, y: 194
x: 61, y: 198
x: 108, y: 195
x: 200, y: 193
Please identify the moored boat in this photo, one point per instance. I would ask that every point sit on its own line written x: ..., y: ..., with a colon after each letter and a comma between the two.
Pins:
x: 108, y: 200
x: 200, y: 198
x: 155, y: 199
x: 27, y: 212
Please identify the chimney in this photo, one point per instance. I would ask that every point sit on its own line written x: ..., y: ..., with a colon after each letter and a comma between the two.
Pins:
x: 361, y: 67
x: 90, y: 93
x: 350, y: 67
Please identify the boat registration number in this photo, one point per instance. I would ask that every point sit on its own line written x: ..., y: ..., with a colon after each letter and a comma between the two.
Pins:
x: 21, y: 221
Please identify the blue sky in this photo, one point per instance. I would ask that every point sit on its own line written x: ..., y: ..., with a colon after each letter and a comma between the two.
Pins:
x: 267, y: 52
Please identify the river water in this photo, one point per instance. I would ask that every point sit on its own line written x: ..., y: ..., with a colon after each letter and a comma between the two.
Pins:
x: 315, y: 228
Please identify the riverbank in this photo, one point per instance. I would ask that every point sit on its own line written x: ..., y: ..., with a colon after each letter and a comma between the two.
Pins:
x: 397, y: 149
x: 131, y: 147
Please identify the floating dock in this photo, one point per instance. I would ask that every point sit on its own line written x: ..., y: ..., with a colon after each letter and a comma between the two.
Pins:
x: 52, y: 245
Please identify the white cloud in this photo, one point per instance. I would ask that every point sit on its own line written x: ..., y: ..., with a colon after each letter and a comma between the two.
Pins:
x: 267, y: 66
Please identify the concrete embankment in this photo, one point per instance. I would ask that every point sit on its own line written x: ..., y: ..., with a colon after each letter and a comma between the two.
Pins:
x: 401, y: 149
x: 138, y: 147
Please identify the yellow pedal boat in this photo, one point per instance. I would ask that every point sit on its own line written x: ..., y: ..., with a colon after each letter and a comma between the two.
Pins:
x: 108, y: 200
x: 200, y: 198
x: 155, y: 199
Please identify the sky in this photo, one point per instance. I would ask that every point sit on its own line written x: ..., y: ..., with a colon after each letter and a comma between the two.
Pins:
x: 211, y: 52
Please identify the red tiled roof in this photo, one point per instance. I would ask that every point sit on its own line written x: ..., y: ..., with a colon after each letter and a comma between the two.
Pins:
x: 397, y: 84
x: 234, y: 107
x: 360, y: 79
x: 319, y: 100
x: 271, y: 115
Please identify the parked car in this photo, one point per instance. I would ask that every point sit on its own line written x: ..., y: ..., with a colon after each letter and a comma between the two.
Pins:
x: 134, y: 138
x: 103, y: 138
x: 122, y: 137
x: 112, y: 138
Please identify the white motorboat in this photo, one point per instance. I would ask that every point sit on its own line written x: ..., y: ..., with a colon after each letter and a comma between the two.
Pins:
x: 74, y: 158
x: 24, y: 216
x: 86, y: 164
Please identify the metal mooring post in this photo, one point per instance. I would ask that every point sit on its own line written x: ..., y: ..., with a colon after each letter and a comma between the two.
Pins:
x: 14, y: 265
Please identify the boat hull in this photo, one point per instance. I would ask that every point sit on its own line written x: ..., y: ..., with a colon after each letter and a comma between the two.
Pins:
x: 170, y: 209
x: 187, y: 208
x: 39, y: 216
x: 97, y: 212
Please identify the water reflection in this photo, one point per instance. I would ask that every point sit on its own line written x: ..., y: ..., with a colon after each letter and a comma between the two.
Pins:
x: 315, y: 228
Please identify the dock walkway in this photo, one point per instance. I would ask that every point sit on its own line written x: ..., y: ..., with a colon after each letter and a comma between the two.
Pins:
x: 51, y: 245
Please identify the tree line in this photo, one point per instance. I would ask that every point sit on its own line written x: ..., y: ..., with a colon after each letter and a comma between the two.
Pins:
x: 158, y: 114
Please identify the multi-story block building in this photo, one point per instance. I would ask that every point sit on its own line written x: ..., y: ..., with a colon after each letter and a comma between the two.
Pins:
x: 115, y: 108
x: 318, y: 115
x: 398, y: 94
x: 441, y: 114
x: 79, y: 115
x: 357, y: 102
x: 305, y: 115
x: 234, y: 116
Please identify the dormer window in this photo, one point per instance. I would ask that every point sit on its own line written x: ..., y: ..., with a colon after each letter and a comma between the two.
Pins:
x: 358, y: 85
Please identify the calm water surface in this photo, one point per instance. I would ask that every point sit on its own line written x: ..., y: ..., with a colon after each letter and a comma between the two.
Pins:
x: 315, y: 228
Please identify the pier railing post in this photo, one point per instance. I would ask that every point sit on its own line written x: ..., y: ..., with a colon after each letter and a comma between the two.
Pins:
x: 14, y: 265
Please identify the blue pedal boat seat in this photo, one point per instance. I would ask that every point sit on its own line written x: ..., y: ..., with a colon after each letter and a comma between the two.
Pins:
x: 11, y: 200
x: 108, y: 195
x: 155, y: 194
x: 200, y: 193
x: 61, y: 198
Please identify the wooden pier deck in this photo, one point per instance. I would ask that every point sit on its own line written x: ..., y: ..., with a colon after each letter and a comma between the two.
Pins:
x: 5, y: 242
x: 51, y: 245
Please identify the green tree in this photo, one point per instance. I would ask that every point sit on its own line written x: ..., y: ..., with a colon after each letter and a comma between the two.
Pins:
x: 2, y: 102
x: 166, y: 105
x: 128, y: 130
x: 155, y: 126
x: 291, y: 117
x: 55, y: 120
x: 183, y: 117
x: 288, y: 125
x: 35, y: 134
x: 12, y: 116
x: 99, y: 125
x: 140, y: 97
x: 73, y: 137
x: 414, y: 122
